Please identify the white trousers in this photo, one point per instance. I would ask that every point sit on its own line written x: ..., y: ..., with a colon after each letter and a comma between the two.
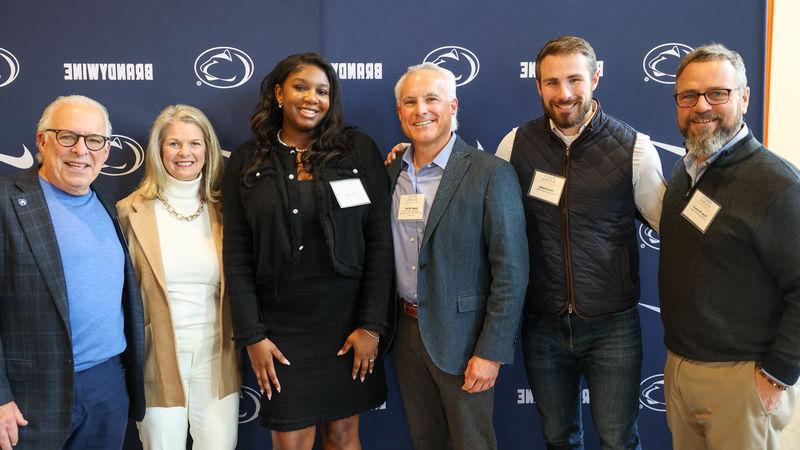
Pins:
x: 213, y: 421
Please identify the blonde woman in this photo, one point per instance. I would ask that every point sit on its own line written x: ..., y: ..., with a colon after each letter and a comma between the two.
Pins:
x: 174, y: 230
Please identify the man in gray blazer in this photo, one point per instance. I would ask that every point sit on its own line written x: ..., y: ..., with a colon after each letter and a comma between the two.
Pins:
x: 71, y: 322
x: 462, y: 268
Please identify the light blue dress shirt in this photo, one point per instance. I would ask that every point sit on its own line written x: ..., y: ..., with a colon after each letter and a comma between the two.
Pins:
x: 408, y: 234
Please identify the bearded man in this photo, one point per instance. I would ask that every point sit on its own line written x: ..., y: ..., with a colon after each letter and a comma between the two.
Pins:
x: 729, y: 276
x: 584, y: 176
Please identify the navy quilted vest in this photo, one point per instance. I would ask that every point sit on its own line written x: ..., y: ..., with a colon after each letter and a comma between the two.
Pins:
x: 584, y: 252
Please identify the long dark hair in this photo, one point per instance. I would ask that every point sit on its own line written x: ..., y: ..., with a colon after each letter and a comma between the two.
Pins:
x: 327, y: 139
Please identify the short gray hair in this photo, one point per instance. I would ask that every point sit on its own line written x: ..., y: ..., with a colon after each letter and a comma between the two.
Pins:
x: 711, y: 52
x: 47, y: 114
x: 450, y: 84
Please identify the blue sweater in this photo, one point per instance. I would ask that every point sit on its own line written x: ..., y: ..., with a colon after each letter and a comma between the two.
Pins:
x: 94, y: 271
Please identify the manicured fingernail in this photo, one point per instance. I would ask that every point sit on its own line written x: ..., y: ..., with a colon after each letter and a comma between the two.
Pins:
x: 269, y: 396
x: 340, y: 353
x: 362, y: 379
x: 279, y: 389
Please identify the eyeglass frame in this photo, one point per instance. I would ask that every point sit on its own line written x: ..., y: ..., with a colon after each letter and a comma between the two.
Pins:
x: 703, y: 94
x: 79, y: 136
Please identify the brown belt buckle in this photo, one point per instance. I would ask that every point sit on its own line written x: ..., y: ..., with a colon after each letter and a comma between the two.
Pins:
x: 409, y: 308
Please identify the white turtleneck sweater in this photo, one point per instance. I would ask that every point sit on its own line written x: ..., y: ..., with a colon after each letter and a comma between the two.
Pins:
x: 190, y: 265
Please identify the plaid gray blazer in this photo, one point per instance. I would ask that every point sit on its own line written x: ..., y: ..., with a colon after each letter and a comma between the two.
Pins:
x: 36, y: 365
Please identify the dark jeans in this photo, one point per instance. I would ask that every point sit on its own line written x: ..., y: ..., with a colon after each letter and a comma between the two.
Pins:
x: 100, y: 407
x: 607, y: 351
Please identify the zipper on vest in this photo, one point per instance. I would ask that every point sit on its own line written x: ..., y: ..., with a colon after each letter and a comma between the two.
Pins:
x: 693, y: 187
x: 568, y: 289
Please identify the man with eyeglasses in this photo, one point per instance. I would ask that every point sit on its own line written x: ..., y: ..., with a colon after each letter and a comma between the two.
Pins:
x: 729, y: 276
x: 585, y: 176
x: 71, y: 322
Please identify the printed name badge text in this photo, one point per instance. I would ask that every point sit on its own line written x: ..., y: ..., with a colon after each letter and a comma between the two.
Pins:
x: 547, y: 187
x: 412, y: 207
x: 349, y: 193
x: 701, y: 211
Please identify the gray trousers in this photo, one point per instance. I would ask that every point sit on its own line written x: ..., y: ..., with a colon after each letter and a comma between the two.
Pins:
x: 440, y: 415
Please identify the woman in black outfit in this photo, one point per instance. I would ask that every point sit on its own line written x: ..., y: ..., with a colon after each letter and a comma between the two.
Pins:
x: 308, y: 257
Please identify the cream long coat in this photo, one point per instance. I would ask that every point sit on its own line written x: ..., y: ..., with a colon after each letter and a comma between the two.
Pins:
x: 162, y: 379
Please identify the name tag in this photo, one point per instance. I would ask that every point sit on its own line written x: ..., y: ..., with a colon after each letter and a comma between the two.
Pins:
x: 701, y: 211
x: 350, y: 192
x: 412, y: 207
x: 547, y: 187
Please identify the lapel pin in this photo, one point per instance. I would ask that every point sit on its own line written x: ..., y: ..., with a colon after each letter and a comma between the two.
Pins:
x: 22, y: 201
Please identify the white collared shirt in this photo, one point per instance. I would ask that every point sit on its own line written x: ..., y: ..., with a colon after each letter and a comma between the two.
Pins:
x: 648, y: 179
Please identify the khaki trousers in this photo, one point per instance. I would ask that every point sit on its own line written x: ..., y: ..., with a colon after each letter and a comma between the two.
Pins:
x: 716, y: 406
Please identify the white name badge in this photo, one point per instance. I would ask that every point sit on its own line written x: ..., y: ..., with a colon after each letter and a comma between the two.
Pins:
x: 547, y: 187
x: 412, y: 207
x: 349, y: 193
x: 701, y: 211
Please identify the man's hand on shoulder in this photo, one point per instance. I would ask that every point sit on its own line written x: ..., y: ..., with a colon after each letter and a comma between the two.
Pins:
x: 480, y: 374
x: 10, y: 421
x: 392, y: 155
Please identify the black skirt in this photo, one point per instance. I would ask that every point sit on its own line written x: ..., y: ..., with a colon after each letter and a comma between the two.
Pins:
x: 309, y: 322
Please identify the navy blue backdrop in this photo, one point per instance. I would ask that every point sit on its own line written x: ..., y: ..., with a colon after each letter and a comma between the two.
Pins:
x: 137, y: 57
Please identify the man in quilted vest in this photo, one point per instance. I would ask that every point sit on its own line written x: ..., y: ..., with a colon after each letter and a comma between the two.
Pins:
x: 584, y: 177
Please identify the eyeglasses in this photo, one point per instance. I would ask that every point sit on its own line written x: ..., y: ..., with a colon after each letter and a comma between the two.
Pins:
x: 713, y: 97
x: 67, y: 138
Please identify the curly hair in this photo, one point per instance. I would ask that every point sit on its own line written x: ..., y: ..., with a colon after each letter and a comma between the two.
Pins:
x: 327, y: 139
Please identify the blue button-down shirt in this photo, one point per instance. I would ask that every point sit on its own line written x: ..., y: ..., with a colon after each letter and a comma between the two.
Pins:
x: 408, y: 234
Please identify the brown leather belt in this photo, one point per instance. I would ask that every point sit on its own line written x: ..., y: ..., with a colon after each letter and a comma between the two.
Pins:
x: 409, y: 308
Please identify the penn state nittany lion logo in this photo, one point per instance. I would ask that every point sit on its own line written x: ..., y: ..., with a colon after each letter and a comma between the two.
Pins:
x: 649, y: 237
x: 223, y: 67
x: 661, y: 62
x: 249, y: 404
x: 462, y: 62
x: 9, y: 67
x: 124, y: 157
x: 651, y: 395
